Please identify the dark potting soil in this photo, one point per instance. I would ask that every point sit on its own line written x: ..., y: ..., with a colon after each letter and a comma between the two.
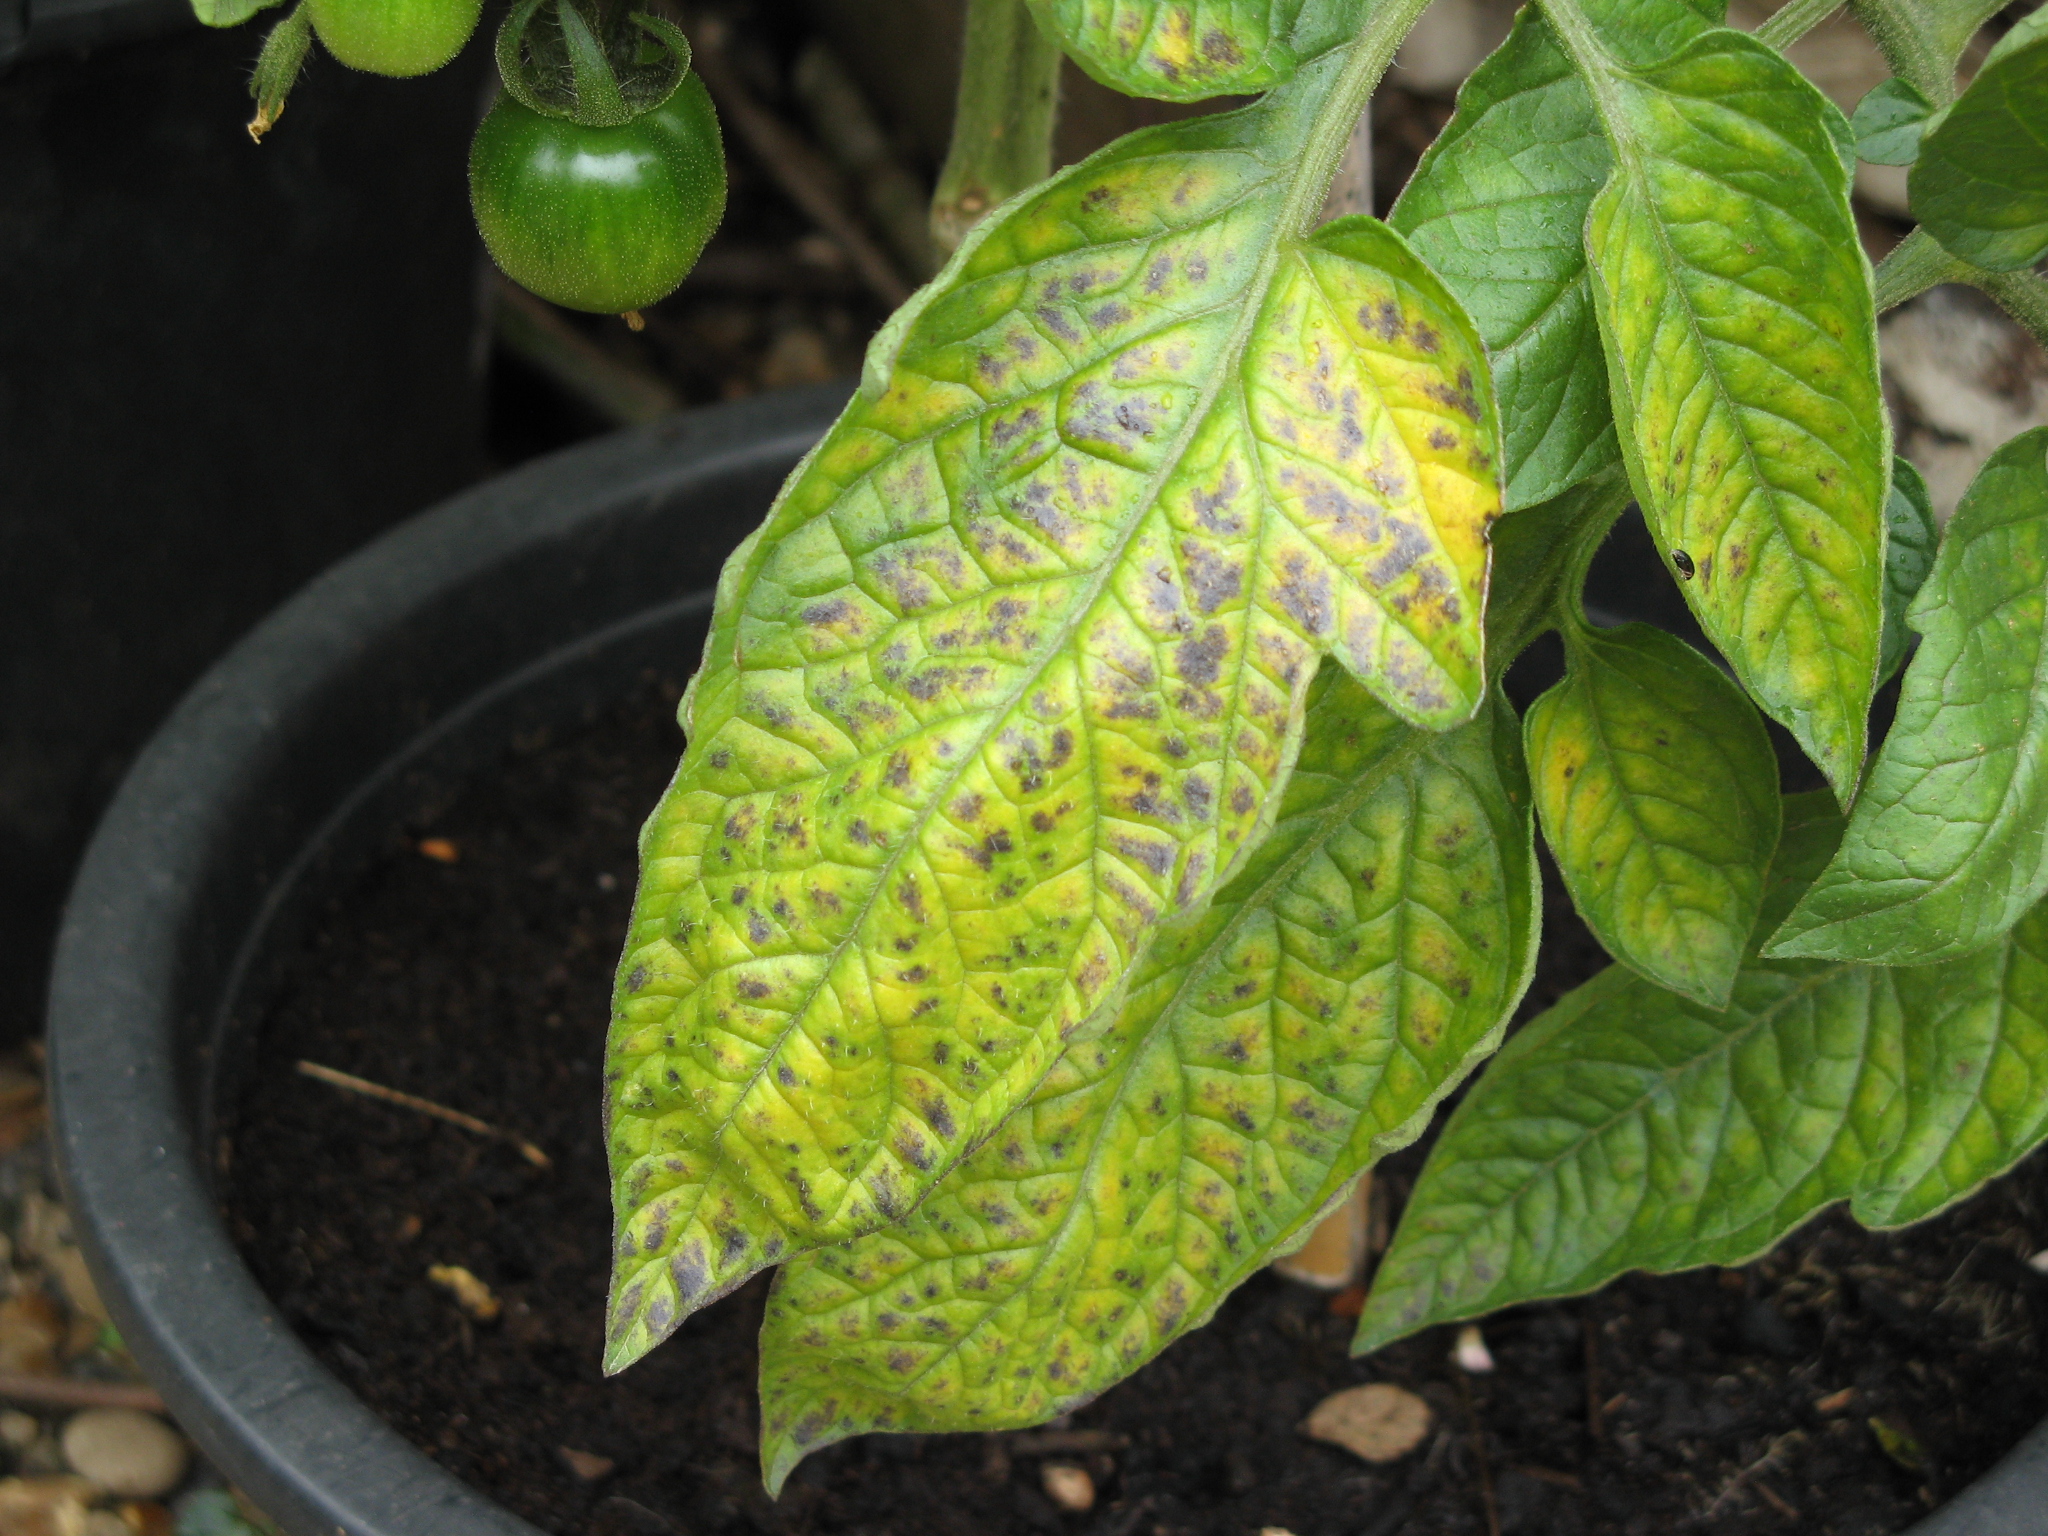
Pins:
x: 1841, y: 1385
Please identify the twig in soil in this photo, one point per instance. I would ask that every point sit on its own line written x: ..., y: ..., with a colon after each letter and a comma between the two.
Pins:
x: 65, y: 1392
x: 1596, y: 1413
x: 801, y: 171
x: 1747, y: 1477
x: 378, y: 1091
x: 1486, y: 1497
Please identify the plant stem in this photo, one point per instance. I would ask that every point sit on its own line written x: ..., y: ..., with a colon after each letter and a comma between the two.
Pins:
x: 1922, y: 39
x: 1919, y: 263
x: 1003, y: 122
x: 1794, y: 20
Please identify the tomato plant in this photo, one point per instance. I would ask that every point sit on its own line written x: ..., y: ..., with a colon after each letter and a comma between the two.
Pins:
x: 604, y: 219
x: 1102, y: 833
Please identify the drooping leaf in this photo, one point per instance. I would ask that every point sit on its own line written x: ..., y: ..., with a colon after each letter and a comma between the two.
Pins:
x: 1948, y: 843
x: 1887, y: 122
x: 1911, y: 534
x: 1629, y: 1128
x: 1980, y: 186
x: 1190, y: 50
x: 1363, y: 961
x: 1014, y: 673
x: 1658, y: 793
x: 1736, y: 309
x: 1497, y: 207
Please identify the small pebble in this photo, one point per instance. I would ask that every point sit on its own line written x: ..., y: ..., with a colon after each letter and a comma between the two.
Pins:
x: 129, y: 1454
x: 1377, y: 1422
x: 18, y: 1430
x: 1471, y: 1353
x: 587, y: 1465
x: 1068, y: 1486
x: 2039, y: 1262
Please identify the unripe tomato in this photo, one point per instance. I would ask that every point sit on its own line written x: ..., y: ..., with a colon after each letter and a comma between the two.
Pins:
x: 395, y: 37
x: 601, y: 219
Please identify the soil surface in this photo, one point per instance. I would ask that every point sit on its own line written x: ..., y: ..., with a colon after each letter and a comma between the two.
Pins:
x: 1843, y: 1384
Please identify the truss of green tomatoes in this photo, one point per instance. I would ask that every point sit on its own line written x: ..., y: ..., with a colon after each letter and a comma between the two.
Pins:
x: 1102, y: 835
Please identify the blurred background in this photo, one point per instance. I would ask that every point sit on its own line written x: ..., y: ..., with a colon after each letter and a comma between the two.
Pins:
x: 223, y: 366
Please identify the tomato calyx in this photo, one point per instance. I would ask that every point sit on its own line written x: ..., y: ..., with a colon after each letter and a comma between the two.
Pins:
x: 555, y: 60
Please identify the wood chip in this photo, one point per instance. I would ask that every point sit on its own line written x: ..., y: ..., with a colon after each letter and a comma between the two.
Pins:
x: 440, y: 849
x: 470, y: 1293
x: 1068, y: 1486
x: 1835, y: 1402
x: 587, y: 1465
x: 1377, y: 1422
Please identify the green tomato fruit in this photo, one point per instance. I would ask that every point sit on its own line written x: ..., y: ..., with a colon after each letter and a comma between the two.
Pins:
x: 600, y: 219
x: 395, y: 37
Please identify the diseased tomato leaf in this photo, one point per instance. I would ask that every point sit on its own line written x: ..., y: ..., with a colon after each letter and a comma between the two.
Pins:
x: 1629, y: 1128
x: 1189, y: 50
x: 1365, y: 959
x: 1948, y: 843
x: 1736, y: 309
x: 1014, y: 673
x: 1498, y: 208
x: 1658, y: 792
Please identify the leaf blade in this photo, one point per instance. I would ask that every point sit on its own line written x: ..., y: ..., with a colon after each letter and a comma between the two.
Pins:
x: 1755, y: 432
x: 1656, y: 788
x: 1947, y: 844
x: 1980, y: 184
x: 1911, y: 537
x: 1190, y: 50
x: 1350, y: 976
x: 1014, y: 672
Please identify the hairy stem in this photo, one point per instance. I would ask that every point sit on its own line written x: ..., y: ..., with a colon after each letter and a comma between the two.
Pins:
x: 1794, y: 20
x: 1922, y: 39
x: 1002, y: 125
x: 1919, y: 263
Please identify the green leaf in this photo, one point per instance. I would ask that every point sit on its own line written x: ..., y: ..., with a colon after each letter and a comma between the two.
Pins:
x: 1948, y: 843
x: 1632, y: 1129
x: 1911, y: 534
x: 1980, y: 186
x: 229, y: 13
x: 1497, y: 207
x: 1367, y: 957
x: 1189, y: 50
x: 1015, y: 670
x: 1735, y: 305
x: 1887, y: 123
x: 1658, y: 793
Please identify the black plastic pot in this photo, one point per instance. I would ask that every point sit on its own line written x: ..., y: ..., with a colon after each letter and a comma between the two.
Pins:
x: 525, y: 603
